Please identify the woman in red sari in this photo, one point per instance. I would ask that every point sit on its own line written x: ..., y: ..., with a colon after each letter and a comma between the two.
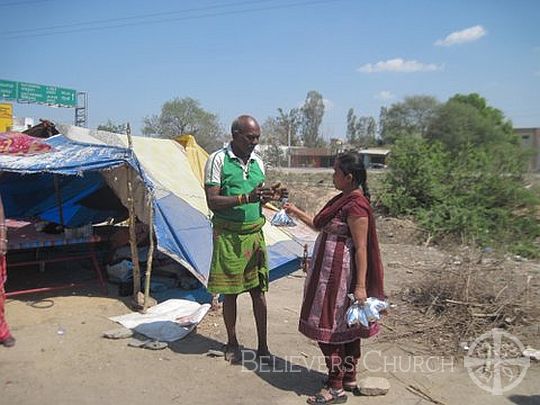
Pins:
x: 5, y: 336
x: 346, y: 259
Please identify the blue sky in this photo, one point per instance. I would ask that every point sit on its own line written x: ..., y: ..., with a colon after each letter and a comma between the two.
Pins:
x: 254, y: 56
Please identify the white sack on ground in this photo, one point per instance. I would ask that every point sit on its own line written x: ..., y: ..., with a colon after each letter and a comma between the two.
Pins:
x: 169, y: 321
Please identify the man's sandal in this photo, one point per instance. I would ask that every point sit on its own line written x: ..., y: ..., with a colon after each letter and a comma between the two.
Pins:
x: 233, y: 354
x: 338, y: 397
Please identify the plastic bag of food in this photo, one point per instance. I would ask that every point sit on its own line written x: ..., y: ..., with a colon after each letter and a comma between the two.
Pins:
x: 281, y: 218
x: 363, y: 314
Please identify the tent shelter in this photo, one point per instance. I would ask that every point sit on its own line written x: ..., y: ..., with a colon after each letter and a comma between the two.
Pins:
x: 83, y: 169
x: 175, y: 171
x: 86, y: 161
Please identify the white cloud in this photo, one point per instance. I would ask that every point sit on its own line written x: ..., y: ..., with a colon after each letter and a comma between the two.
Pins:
x: 398, y: 65
x: 385, y: 95
x: 460, y: 37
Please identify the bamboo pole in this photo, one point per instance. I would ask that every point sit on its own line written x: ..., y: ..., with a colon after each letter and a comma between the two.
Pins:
x: 58, y: 199
x: 132, y: 223
x: 150, y: 254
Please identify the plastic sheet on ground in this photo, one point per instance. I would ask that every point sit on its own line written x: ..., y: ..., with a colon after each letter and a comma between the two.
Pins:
x: 169, y: 321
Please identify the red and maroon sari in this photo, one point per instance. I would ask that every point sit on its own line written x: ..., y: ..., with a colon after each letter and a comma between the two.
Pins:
x: 4, y: 329
x: 332, y: 273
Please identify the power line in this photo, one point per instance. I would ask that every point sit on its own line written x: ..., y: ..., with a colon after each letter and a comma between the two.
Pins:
x: 22, y: 3
x: 181, y: 18
x: 135, y: 17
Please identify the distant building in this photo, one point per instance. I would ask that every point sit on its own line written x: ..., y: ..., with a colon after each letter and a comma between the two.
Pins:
x: 312, y: 157
x: 302, y: 156
x: 530, y: 139
x: 374, y: 157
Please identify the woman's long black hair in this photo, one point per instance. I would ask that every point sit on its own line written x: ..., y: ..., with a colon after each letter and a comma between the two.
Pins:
x: 353, y: 163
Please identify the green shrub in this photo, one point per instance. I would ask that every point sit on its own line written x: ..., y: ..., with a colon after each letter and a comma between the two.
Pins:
x: 476, y: 194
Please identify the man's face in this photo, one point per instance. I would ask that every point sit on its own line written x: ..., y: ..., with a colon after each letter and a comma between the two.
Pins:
x: 247, y: 138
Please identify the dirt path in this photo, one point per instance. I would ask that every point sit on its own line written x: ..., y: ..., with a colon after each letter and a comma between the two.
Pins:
x: 60, y: 357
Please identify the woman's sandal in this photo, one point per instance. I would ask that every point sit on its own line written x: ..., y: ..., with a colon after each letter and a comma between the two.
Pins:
x: 8, y: 342
x: 352, y: 388
x: 338, y: 397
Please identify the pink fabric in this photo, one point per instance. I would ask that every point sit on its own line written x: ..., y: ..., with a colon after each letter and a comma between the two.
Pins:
x: 332, y: 273
x: 17, y: 143
x: 4, y: 329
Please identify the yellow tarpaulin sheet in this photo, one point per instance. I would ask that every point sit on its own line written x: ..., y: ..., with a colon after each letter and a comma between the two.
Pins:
x: 196, y: 155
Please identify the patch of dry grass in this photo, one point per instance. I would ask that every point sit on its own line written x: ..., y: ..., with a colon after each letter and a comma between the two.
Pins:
x: 462, y: 299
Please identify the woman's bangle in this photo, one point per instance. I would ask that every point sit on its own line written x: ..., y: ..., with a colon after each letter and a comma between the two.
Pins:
x: 239, y: 199
x: 246, y: 196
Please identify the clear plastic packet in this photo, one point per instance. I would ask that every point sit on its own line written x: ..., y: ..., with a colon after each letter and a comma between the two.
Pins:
x: 366, y: 313
x: 281, y: 218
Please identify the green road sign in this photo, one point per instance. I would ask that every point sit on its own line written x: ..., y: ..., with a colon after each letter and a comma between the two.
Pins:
x: 8, y: 90
x: 37, y: 93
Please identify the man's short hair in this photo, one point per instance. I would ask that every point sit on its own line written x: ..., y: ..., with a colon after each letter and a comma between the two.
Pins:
x: 239, y: 123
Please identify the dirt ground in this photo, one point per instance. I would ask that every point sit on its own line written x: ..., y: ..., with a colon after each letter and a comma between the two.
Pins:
x: 61, y: 358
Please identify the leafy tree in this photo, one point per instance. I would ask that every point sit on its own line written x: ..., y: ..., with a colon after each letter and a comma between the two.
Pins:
x: 360, y: 130
x: 271, y: 130
x: 351, y: 127
x: 409, y: 118
x: 468, y: 120
x: 276, y: 132
x: 112, y: 126
x: 312, y: 115
x: 272, y: 137
x: 465, y: 179
x: 371, y: 128
x: 281, y: 126
x: 186, y: 116
x: 289, y: 121
x: 414, y: 180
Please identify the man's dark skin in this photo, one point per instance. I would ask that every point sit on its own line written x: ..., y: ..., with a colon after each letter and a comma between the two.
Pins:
x: 245, y: 136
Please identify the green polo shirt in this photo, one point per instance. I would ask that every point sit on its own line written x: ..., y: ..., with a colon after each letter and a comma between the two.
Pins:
x: 226, y: 170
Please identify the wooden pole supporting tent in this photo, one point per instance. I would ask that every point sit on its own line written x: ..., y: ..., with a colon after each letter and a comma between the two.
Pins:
x: 150, y: 255
x: 138, y: 301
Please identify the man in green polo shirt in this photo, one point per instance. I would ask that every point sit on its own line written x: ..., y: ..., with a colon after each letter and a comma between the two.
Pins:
x: 234, y: 177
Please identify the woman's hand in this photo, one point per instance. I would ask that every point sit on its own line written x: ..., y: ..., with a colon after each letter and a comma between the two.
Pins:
x: 360, y: 294
x: 298, y: 213
x: 290, y: 208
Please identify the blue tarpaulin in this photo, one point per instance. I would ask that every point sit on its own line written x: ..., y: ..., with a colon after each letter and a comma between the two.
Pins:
x: 27, y: 187
x: 78, y: 172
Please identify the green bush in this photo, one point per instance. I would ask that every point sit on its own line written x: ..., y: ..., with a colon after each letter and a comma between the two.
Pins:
x: 476, y: 194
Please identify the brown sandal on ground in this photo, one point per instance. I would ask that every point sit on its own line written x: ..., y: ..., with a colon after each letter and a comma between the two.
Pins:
x: 337, y: 397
